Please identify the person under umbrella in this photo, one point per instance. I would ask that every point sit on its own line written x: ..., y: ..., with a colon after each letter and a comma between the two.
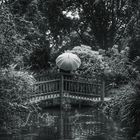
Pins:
x: 68, y: 62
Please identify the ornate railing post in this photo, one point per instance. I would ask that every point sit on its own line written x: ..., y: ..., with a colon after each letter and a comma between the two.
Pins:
x: 61, y: 89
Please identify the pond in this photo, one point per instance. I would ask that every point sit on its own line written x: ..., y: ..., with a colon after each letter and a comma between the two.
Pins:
x: 74, y: 124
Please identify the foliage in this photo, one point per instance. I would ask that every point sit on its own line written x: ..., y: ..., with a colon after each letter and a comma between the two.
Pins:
x: 124, y: 106
x: 6, y: 37
x: 32, y: 25
x: 118, y: 101
x: 15, y: 87
x: 13, y: 47
x: 39, y: 59
x: 111, y: 63
x: 118, y: 65
x: 56, y: 25
x: 134, y: 42
x: 34, y: 32
x: 91, y: 60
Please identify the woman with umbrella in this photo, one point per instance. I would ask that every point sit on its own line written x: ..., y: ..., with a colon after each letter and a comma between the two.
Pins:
x: 68, y: 62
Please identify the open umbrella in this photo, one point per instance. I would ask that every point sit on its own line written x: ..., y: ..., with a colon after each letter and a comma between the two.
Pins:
x: 68, y: 61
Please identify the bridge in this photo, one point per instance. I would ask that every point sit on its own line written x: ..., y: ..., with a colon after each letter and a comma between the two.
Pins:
x: 67, y: 86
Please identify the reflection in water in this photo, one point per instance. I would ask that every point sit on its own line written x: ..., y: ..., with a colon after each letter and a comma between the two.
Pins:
x: 83, y: 124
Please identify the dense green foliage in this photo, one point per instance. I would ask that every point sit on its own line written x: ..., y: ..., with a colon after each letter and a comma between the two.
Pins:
x: 124, y: 106
x: 50, y: 27
x: 92, y: 62
x: 16, y: 86
x: 10, y: 40
x: 34, y: 32
x: 112, y: 63
x: 15, y: 83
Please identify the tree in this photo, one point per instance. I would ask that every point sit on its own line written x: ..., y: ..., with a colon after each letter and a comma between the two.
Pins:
x: 134, y: 42
x: 33, y: 26
x: 95, y: 22
x: 65, y: 24
x: 14, y: 85
x: 13, y: 47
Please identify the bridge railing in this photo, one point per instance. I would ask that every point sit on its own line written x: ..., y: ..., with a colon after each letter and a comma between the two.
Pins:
x: 81, y: 87
x: 50, y: 86
x: 72, y: 84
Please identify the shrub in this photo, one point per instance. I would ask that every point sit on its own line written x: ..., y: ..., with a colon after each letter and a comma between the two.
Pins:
x: 92, y: 61
x: 113, y: 64
x: 125, y: 106
x: 117, y: 102
x: 14, y: 86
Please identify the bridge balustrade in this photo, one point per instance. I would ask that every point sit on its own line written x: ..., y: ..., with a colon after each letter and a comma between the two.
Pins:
x: 81, y: 87
x: 50, y: 86
x: 68, y: 85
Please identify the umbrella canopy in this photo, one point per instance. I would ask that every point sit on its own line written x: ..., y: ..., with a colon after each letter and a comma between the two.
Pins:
x: 68, y: 61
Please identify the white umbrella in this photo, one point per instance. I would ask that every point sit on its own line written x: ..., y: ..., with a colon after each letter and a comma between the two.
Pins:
x: 68, y: 61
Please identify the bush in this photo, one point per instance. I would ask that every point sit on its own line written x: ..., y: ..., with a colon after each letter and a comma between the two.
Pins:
x: 113, y: 64
x: 14, y: 86
x: 120, y: 96
x: 92, y: 62
x: 125, y: 106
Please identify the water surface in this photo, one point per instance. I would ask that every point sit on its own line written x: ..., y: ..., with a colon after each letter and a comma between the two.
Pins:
x: 75, y: 124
